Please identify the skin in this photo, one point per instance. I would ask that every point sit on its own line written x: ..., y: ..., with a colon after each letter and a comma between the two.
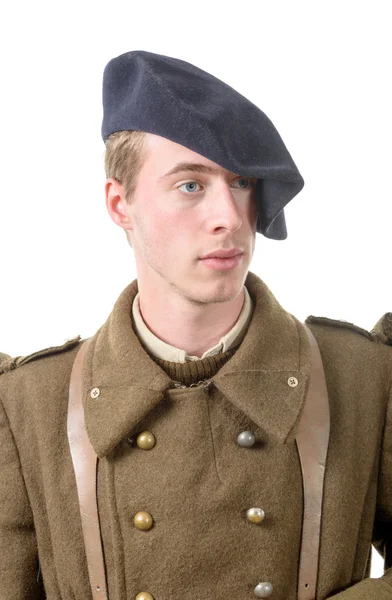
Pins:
x: 172, y: 222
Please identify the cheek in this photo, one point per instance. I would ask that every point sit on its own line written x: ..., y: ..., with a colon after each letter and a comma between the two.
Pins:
x: 162, y: 234
x: 170, y: 225
x: 165, y: 234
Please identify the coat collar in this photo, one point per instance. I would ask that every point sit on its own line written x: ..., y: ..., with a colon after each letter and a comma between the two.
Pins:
x: 275, y: 349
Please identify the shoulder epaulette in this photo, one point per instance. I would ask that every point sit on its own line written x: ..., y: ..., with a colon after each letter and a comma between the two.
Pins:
x: 341, y: 324
x: 383, y: 329
x: 7, y: 363
x: 3, y: 357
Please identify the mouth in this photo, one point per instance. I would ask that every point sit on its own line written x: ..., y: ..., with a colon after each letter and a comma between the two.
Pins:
x: 222, y: 264
x: 222, y: 253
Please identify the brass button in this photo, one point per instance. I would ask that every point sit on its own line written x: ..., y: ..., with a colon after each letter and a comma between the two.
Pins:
x: 143, y: 520
x: 292, y: 381
x: 95, y: 392
x: 144, y: 596
x: 145, y: 440
x: 255, y: 515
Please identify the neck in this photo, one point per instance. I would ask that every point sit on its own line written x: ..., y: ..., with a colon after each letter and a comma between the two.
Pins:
x: 193, y: 327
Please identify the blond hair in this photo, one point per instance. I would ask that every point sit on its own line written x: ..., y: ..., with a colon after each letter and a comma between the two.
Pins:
x: 124, y: 155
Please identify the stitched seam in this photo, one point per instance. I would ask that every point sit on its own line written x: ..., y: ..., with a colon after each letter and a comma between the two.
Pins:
x: 212, y: 438
x: 384, y: 429
x: 112, y: 508
x: 390, y: 380
x: 261, y: 371
x: 299, y: 344
x: 122, y: 554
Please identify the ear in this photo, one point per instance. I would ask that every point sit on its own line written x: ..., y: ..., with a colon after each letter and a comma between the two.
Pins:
x: 116, y: 204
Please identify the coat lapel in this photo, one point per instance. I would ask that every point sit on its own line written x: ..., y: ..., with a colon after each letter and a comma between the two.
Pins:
x: 275, y: 350
x: 257, y: 378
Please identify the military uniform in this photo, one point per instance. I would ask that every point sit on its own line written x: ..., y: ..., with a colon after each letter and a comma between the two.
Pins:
x: 187, y: 509
x: 199, y: 486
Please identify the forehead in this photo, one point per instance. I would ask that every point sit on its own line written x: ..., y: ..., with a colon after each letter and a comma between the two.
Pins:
x: 163, y: 156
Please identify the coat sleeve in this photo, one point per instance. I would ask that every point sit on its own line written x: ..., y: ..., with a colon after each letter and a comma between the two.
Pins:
x: 381, y: 588
x: 18, y: 548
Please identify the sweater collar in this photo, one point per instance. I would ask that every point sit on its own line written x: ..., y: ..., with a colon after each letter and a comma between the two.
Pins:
x: 275, y: 349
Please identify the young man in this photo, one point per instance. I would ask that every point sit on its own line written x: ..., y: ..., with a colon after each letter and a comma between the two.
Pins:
x: 197, y: 447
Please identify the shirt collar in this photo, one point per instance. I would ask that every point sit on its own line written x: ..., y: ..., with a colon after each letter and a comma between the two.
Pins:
x: 165, y: 351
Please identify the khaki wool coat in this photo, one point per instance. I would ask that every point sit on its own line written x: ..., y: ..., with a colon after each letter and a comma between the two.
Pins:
x: 197, y: 482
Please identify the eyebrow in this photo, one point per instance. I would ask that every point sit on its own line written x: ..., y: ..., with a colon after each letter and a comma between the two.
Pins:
x: 187, y: 166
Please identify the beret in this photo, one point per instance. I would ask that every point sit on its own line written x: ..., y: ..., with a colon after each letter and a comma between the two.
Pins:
x: 176, y: 100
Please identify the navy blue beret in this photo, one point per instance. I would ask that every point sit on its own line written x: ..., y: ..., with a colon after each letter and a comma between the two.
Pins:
x: 178, y: 101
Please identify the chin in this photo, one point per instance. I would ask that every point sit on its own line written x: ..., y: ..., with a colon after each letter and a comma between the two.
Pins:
x: 225, y: 285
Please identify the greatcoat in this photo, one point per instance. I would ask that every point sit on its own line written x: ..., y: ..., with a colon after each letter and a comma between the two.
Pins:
x: 197, y: 482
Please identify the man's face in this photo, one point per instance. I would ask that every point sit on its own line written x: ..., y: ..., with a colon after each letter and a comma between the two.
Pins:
x: 185, y: 206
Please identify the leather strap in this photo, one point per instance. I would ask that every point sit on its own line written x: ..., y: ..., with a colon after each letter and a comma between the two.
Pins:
x: 312, y: 444
x: 85, y: 467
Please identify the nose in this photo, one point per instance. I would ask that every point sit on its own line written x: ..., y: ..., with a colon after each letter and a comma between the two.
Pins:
x: 226, y: 208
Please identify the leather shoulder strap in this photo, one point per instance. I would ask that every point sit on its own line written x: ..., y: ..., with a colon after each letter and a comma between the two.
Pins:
x: 85, y: 467
x: 312, y: 443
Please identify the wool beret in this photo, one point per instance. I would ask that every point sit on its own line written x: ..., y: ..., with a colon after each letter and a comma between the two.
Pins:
x: 176, y: 100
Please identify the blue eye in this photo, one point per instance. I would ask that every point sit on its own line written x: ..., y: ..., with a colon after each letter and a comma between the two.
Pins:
x: 247, y: 182
x: 192, y: 184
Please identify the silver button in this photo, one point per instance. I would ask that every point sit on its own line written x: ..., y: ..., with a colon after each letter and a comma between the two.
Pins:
x: 292, y: 381
x: 95, y: 392
x: 263, y: 590
x: 255, y: 515
x: 246, y: 439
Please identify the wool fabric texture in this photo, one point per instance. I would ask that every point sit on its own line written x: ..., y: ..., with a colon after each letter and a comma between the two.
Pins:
x: 176, y: 100
x: 383, y: 329
x: 197, y: 482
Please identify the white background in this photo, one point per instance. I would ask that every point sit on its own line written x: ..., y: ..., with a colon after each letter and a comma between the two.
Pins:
x: 320, y: 71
